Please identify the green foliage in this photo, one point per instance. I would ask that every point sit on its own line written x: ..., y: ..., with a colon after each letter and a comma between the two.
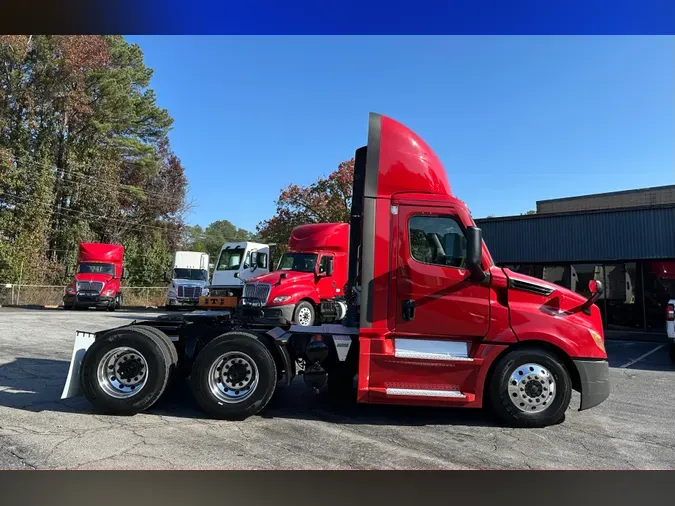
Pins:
x: 211, y: 239
x: 84, y: 156
x: 327, y: 200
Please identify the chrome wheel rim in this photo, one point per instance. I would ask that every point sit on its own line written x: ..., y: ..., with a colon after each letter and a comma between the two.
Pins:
x: 233, y: 377
x: 531, y: 388
x: 122, y: 373
x: 304, y: 316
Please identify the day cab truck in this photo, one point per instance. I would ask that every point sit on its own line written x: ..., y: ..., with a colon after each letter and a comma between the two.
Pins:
x: 237, y: 263
x: 98, y: 277
x: 438, y: 324
x: 308, y: 286
x: 188, y: 278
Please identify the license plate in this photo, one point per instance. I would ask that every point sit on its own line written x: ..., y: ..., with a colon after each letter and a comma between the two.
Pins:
x: 218, y: 302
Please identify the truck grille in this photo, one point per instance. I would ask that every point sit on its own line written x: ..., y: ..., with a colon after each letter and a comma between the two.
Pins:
x: 89, y: 286
x: 258, y: 291
x: 189, y: 292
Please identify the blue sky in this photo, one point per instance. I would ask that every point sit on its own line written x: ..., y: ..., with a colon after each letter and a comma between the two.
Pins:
x: 514, y: 119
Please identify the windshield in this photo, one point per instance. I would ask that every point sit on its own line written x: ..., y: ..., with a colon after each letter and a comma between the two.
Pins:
x: 301, y: 262
x: 230, y: 259
x: 192, y: 274
x: 96, y: 268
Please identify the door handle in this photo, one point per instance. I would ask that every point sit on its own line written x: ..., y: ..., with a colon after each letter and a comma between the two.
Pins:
x: 408, y: 310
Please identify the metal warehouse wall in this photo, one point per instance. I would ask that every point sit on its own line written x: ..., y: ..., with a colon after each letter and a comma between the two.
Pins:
x: 657, y: 196
x: 627, y: 234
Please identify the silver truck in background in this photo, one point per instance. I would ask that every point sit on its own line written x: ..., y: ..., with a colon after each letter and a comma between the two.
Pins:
x: 189, y: 277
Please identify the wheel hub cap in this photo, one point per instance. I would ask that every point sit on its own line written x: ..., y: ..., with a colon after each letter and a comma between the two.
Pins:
x: 304, y: 316
x: 122, y: 372
x: 531, y: 388
x: 233, y: 377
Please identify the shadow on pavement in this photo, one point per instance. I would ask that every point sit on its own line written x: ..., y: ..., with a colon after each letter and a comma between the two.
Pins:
x: 638, y: 355
x: 35, y: 384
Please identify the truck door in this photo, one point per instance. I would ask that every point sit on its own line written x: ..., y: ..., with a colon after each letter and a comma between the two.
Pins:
x: 326, y: 284
x: 434, y: 295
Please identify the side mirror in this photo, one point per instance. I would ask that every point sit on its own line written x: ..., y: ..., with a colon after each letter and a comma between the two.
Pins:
x: 596, y: 288
x: 236, y: 275
x: 474, y: 254
x: 329, y: 267
x: 124, y: 273
x: 167, y: 277
x: 283, y: 276
x: 69, y: 271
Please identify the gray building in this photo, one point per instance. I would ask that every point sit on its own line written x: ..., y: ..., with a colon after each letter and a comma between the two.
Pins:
x: 626, y: 239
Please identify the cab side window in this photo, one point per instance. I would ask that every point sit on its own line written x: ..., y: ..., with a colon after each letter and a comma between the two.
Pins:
x: 323, y: 266
x: 437, y: 240
x: 262, y: 260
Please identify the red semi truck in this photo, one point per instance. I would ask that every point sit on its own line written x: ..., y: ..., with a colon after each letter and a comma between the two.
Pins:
x: 98, y: 277
x: 309, y: 284
x: 437, y: 323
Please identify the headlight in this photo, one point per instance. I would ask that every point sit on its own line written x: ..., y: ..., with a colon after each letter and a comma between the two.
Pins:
x: 205, y: 292
x: 599, y: 341
x: 71, y: 291
x: 281, y: 298
x: 109, y: 293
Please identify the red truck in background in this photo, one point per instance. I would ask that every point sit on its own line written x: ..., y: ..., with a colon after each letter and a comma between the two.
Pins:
x: 437, y: 323
x: 98, y: 277
x: 309, y: 284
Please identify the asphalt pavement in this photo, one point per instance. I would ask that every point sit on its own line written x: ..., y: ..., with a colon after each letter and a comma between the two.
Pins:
x: 634, y: 428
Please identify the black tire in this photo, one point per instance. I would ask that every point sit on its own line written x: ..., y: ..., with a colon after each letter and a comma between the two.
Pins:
x: 67, y: 307
x: 306, y: 305
x: 672, y: 350
x: 507, y: 411
x: 241, y: 342
x: 119, y: 302
x: 159, y: 369
x: 166, y: 342
x: 112, y: 306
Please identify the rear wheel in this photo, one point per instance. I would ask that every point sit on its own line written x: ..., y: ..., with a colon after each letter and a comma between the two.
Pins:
x: 234, y: 376
x: 530, y: 388
x: 304, y: 314
x: 125, y: 371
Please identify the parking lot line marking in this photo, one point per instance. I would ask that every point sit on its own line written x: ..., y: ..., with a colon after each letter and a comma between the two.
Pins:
x: 628, y: 364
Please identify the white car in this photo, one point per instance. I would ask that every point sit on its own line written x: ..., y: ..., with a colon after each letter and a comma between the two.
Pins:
x: 670, y: 326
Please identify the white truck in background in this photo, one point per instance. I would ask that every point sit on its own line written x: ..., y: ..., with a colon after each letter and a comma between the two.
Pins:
x: 237, y: 263
x: 189, y: 277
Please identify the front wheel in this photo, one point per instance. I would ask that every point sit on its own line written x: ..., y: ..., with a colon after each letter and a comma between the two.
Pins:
x: 304, y: 314
x: 234, y: 376
x: 530, y: 388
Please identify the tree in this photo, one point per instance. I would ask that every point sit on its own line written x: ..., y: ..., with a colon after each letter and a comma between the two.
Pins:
x: 84, y: 154
x: 211, y: 239
x: 327, y: 200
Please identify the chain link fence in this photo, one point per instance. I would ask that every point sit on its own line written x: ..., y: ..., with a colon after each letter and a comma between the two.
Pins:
x: 52, y: 295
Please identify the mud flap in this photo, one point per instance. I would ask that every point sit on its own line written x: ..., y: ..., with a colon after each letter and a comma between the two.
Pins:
x: 73, y: 388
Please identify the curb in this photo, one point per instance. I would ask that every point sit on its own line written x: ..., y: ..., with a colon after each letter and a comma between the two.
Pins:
x: 54, y: 307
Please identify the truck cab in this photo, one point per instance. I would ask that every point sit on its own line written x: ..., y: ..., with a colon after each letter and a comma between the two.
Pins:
x: 188, y: 278
x: 308, y: 285
x: 97, y: 278
x: 237, y: 263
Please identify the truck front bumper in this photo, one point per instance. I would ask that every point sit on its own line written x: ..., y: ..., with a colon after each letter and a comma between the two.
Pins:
x: 594, y: 376
x: 268, y: 315
x: 88, y: 300
x: 180, y: 302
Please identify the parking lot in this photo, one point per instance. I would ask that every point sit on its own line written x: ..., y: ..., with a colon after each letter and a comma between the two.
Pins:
x: 634, y: 428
